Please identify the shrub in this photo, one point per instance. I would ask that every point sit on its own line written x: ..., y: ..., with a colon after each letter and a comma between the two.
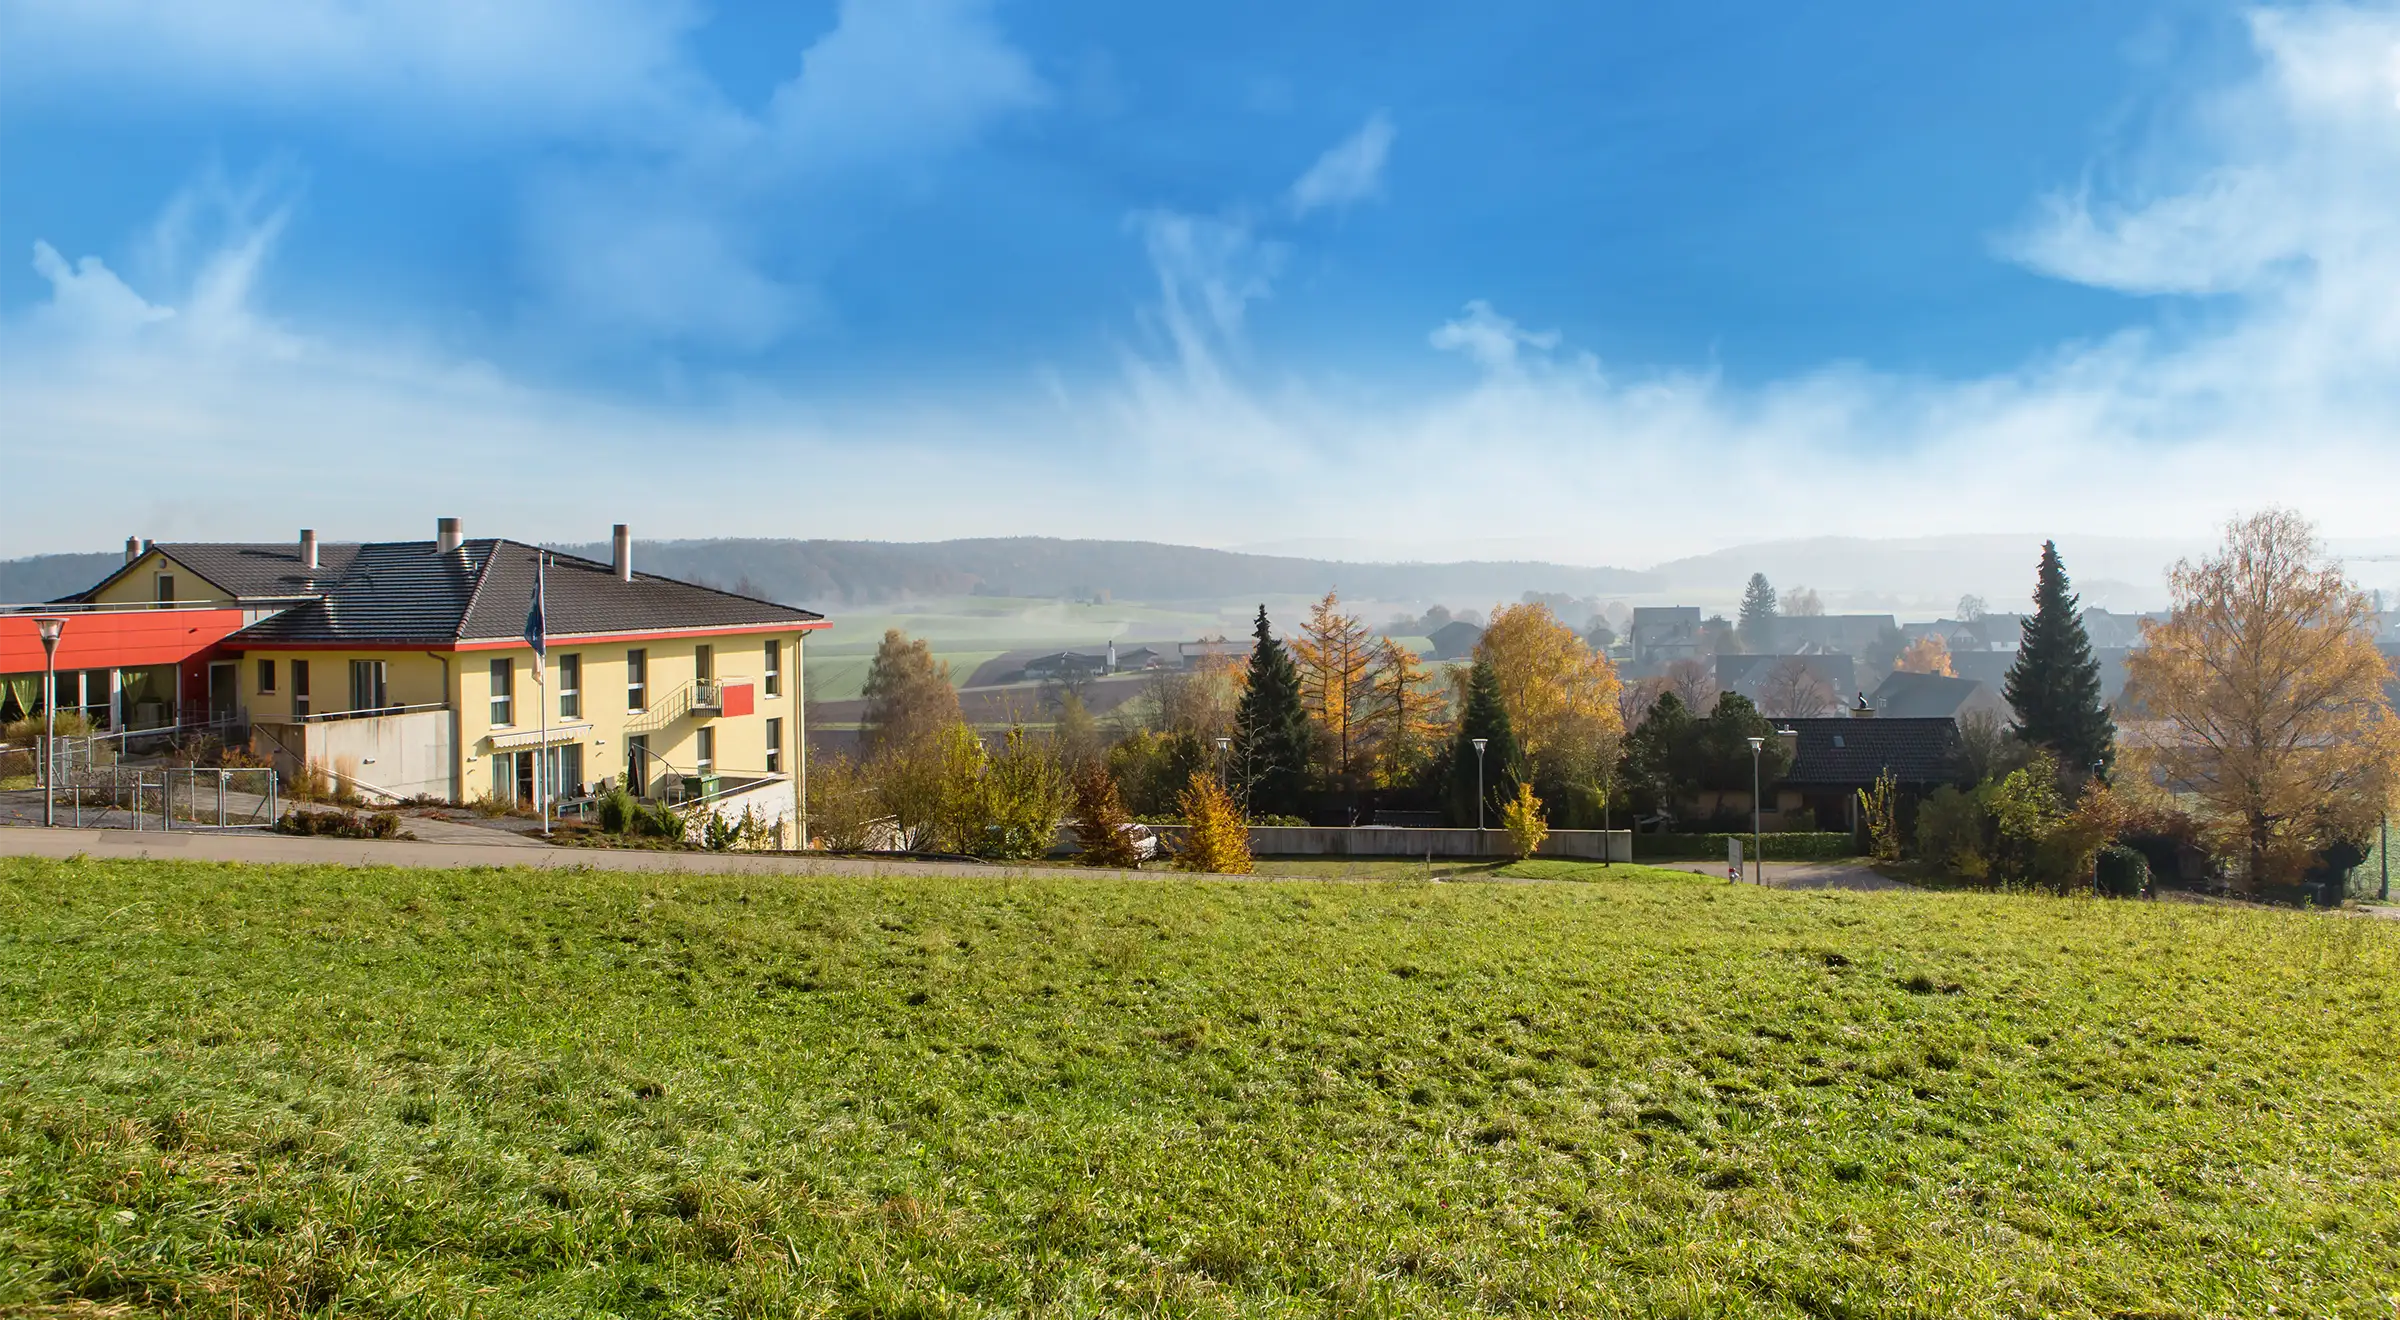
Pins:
x: 1217, y: 841
x: 1879, y: 809
x: 2121, y: 872
x: 1953, y: 832
x: 1521, y: 816
x: 340, y: 824
x: 615, y: 811
x: 1102, y: 830
x: 655, y: 820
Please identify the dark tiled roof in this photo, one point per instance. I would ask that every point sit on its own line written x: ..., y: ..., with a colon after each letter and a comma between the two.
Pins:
x: 403, y: 591
x: 1910, y: 695
x: 1840, y: 751
x: 251, y: 571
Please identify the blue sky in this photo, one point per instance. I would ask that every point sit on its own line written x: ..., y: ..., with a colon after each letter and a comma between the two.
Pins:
x: 1598, y: 282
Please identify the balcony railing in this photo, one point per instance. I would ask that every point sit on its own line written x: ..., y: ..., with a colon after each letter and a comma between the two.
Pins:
x: 708, y: 696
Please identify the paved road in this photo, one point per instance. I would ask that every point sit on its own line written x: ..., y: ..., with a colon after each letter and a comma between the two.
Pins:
x: 1798, y: 875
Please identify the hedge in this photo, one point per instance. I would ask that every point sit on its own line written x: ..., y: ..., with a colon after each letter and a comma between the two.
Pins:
x: 1794, y: 846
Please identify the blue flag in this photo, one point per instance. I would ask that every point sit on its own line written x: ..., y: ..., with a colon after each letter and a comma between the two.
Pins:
x: 537, y: 631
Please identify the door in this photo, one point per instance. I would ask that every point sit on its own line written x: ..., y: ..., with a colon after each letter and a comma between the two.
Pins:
x: 525, y: 788
x: 222, y: 698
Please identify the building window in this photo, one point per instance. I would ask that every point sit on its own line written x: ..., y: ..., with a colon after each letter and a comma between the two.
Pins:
x: 366, y: 685
x: 774, y: 667
x: 637, y: 764
x: 299, y: 687
x: 570, y: 686
x: 774, y: 744
x: 164, y: 588
x: 504, y: 679
x: 637, y: 679
x: 705, y: 757
x: 266, y: 676
x: 704, y: 662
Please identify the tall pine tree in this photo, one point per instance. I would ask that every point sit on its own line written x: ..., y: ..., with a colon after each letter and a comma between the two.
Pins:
x: 1483, y: 717
x: 1270, y: 731
x: 2055, y: 683
x: 1758, y: 616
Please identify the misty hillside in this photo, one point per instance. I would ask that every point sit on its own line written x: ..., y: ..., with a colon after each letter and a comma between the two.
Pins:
x: 38, y: 578
x: 852, y: 573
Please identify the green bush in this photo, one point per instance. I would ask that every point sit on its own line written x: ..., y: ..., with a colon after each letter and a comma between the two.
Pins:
x: 340, y: 824
x: 616, y: 810
x: 656, y: 820
x: 1790, y: 846
x: 2121, y: 872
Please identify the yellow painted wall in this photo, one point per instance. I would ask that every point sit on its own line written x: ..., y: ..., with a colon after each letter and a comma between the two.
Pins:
x: 140, y: 587
x: 410, y: 678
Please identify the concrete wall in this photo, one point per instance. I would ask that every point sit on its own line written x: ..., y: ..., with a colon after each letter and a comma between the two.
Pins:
x: 386, y: 756
x: 1333, y: 841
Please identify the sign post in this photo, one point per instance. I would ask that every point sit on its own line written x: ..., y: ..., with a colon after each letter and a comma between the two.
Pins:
x: 1733, y: 861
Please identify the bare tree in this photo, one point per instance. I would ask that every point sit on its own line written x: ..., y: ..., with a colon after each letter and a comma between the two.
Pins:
x: 1802, y: 603
x: 1970, y: 608
x: 1794, y: 691
x: 1692, y: 685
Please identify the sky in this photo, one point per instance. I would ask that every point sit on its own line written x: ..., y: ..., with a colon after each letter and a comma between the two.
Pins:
x: 1603, y: 283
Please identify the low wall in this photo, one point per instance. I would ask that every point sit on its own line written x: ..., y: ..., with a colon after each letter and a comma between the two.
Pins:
x: 1385, y: 841
x: 395, y: 757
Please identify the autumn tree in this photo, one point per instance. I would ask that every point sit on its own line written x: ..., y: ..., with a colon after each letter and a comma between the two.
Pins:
x: 1103, y: 835
x: 1216, y: 840
x: 1794, y: 690
x: 1522, y: 818
x: 1560, y: 695
x: 1757, y: 626
x: 1926, y: 655
x: 909, y: 700
x: 1335, y: 655
x: 2054, y: 686
x: 1405, y: 721
x: 1270, y: 730
x: 2263, y: 697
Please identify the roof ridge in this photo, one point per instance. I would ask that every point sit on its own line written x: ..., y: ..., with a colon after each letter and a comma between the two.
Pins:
x: 483, y: 574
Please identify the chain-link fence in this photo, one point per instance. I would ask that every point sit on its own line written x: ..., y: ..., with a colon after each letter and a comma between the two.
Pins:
x: 167, y: 798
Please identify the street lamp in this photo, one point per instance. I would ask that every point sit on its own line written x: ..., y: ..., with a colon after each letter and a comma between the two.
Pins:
x: 1759, y: 857
x: 1222, y: 744
x: 50, y: 628
x: 1479, y: 745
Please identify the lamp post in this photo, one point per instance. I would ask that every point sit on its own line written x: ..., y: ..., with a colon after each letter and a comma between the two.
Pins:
x: 49, y: 628
x: 1759, y: 856
x: 1479, y: 745
x: 1222, y: 745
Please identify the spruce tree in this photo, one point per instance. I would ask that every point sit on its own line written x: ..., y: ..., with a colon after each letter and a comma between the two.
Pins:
x: 2055, y: 683
x: 1483, y: 717
x: 1758, y: 616
x: 1270, y: 731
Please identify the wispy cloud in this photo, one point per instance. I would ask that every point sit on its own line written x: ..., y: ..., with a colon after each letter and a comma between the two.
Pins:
x: 1350, y: 171
x: 2283, y: 391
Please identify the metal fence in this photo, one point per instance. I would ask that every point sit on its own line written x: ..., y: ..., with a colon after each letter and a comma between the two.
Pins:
x: 169, y: 798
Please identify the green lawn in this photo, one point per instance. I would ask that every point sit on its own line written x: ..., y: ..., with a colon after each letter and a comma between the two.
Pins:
x: 276, y: 1091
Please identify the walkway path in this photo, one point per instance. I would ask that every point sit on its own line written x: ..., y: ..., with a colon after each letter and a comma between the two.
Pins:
x: 1798, y: 875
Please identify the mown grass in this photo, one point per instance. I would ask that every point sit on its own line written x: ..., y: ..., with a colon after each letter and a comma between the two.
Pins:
x: 275, y: 1091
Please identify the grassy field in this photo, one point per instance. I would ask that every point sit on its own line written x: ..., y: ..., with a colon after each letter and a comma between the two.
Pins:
x: 277, y: 1091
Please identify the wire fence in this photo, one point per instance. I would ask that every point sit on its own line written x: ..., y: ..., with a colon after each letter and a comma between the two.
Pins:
x: 197, y: 798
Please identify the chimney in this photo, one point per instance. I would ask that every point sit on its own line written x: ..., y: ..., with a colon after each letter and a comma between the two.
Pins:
x: 1861, y: 710
x: 308, y: 548
x: 446, y: 536
x: 620, y: 539
x: 133, y: 548
x: 1789, y: 739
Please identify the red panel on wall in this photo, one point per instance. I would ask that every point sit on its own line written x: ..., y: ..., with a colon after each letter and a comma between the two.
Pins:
x: 116, y: 639
x: 738, y: 699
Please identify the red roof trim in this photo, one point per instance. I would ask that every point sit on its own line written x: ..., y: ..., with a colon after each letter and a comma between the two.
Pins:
x: 556, y: 639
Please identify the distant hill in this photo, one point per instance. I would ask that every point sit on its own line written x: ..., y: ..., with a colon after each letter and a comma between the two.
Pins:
x: 40, y: 578
x: 854, y: 573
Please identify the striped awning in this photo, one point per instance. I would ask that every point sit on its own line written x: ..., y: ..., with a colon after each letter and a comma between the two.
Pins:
x: 555, y: 735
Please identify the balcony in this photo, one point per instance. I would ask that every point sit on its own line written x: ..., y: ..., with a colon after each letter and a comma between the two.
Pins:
x: 708, y: 697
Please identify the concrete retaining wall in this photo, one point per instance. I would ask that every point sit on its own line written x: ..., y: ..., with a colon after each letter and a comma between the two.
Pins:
x: 389, y: 756
x: 1381, y: 841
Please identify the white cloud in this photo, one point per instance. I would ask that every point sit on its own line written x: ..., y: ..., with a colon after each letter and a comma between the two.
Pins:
x: 2284, y: 392
x: 1351, y: 171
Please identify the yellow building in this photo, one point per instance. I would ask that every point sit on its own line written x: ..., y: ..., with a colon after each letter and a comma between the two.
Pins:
x: 408, y: 669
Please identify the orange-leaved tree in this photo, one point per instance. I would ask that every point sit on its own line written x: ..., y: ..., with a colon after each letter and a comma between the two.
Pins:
x: 1560, y: 694
x: 1926, y: 655
x: 1405, y: 724
x: 1336, y: 656
x: 2261, y: 697
x: 1216, y: 839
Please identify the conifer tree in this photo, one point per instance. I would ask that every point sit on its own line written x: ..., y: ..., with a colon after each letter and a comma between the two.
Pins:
x: 2055, y: 684
x: 1757, y: 626
x: 1270, y: 731
x: 1483, y: 716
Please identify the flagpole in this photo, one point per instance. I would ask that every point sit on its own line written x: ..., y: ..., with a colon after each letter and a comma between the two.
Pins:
x: 544, y: 770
